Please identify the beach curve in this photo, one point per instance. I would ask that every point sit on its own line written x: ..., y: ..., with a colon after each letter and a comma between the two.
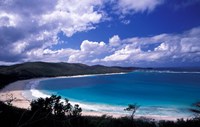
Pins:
x: 18, y: 88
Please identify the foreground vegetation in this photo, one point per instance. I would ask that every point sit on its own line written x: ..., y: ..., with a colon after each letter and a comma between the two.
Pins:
x: 51, y: 112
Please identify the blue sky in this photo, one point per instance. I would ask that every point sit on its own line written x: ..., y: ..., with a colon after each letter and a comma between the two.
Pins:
x: 144, y: 33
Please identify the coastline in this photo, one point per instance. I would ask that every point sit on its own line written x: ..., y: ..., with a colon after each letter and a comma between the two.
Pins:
x: 18, y: 88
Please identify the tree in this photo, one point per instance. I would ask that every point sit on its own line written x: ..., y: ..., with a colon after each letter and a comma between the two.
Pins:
x: 77, y: 110
x: 133, y: 108
x: 54, y: 105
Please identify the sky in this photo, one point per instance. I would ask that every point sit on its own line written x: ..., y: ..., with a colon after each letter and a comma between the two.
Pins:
x: 143, y: 33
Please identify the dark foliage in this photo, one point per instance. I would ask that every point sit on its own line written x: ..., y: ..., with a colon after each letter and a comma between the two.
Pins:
x: 181, y: 123
x: 30, y: 70
x: 53, y: 106
x: 51, y: 112
x: 15, y: 117
x: 133, y: 108
x: 6, y: 79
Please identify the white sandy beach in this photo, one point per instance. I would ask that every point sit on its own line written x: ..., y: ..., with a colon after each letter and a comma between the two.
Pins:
x: 17, y: 88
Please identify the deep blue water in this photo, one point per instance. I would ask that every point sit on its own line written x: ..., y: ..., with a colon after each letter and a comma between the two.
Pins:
x: 148, y: 89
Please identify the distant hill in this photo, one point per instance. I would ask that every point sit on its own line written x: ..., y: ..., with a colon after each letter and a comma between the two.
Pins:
x: 43, y: 69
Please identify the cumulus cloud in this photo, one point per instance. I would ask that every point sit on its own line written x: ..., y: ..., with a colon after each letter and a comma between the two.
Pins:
x: 29, y: 30
x: 89, y: 52
x: 157, y: 50
x: 73, y: 16
x: 162, y: 49
x: 30, y: 26
x: 114, y: 41
x: 49, y: 55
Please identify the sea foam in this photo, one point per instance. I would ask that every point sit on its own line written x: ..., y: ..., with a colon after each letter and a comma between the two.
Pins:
x: 158, y: 111
x: 168, y: 71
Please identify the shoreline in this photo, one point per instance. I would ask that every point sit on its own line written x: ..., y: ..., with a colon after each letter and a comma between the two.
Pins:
x: 18, y: 88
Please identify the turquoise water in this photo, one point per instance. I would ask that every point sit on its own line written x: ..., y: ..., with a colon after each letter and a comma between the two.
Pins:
x: 157, y: 93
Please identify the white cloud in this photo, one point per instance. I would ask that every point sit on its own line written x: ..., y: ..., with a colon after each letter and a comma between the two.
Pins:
x: 114, y: 41
x: 171, y: 49
x: 49, y: 55
x: 162, y: 47
x: 19, y: 47
x: 28, y: 32
x: 73, y: 16
x: 90, y: 46
x: 8, y: 20
x: 25, y: 22
x: 126, y: 22
x: 133, y: 6
x: 89, y: 52
x: 187, y: 45
x: 122, y: 54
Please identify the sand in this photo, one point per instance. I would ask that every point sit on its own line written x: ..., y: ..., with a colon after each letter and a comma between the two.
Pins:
x: 15, y: 90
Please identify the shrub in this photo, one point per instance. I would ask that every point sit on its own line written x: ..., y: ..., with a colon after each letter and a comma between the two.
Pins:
x: 54, y: 105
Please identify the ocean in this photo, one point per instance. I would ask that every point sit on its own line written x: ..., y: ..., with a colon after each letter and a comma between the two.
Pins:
x: 158, y: 93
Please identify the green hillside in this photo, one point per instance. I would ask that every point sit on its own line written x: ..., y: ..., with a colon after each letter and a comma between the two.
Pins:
x: 43, y: 69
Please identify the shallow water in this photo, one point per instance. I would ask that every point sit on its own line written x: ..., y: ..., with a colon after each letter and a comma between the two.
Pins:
x: 164, y: 94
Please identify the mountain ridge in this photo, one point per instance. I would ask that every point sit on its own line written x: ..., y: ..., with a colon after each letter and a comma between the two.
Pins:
x: 44, y: 69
